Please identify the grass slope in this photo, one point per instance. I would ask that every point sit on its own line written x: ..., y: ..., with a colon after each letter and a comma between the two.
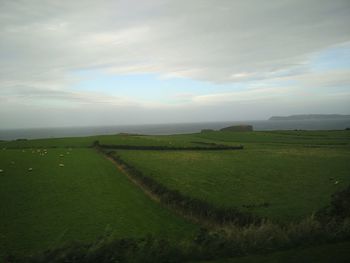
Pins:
x: 278, y: 138
x: 168, y: 140
x: 52, y: 204
x: 295, y: 181
x: 329, y: 253
x: 255, y: 139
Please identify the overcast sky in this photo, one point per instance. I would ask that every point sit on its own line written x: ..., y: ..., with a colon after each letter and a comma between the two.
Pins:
x: 77, y: 63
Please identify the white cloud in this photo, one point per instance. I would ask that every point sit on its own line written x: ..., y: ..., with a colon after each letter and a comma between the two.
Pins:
x: 329, y: 79
x: 43, y: 42
x: 254, y: 95
x: 208, y: 40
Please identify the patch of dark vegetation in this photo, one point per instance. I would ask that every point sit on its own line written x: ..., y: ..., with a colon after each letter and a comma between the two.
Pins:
x: 209, y: 144
x: 227, y: 242
x: 172, y: 148
x: 339, y: 209
x: 264, y: 204
x: 129, y: 134
x: 238, y: 128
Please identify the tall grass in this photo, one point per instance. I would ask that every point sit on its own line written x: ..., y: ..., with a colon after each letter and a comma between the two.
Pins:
x: 230, y: 241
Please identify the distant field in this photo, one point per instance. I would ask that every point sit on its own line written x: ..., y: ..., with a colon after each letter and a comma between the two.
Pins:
x: 305, y: 138
x: 169, y: 140
x: 293, y: 179
x: 255, y: 139
x: 79, y: 201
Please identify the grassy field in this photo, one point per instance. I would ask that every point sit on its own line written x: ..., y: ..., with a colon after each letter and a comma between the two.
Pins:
x: 78, y: 201
x: 293, y: 178
x: 329, y: 253
x: 294, y: 172
x: 304, y: 138
x: 139, y: 140
x: 249, y: 139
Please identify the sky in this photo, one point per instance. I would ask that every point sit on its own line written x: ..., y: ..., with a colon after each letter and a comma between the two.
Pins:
x: 104, y: 62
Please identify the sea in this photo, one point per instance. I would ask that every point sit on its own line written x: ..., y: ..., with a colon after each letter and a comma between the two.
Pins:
x: 177, y: 128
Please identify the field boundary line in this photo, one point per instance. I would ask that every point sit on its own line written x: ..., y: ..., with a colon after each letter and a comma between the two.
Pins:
x: 190, y: 208
x: 168, y: 148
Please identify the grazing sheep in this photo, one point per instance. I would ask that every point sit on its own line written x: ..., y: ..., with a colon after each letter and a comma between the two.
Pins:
x: 61, y: 164
x: 336, y: 182
x: 30, y: 169
x: 1, y: 171
x: 61, y: 155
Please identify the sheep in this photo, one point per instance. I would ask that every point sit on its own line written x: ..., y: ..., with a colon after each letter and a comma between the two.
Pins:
x: 30, y: 169
x: 61, y: 164
x: 1, y: 171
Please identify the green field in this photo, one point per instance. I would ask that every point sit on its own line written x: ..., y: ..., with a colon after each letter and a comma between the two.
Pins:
x: 139, y: 140
x: 293, y: 178
x: 249, y: 139
x: 82, y: 200
x: 261, y: 138
x: 330, y: 253
x: 294, y: 172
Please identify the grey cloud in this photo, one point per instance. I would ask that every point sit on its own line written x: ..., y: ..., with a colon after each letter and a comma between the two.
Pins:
x: 24, y: 94
x: 44, y: 42
x: 202, y: 39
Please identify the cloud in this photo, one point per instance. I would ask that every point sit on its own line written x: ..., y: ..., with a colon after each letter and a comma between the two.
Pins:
x: 254, y: 95
x: 56, y: 97
x: 203, y: 39
x: 44, y: 43
x: 328, y: 79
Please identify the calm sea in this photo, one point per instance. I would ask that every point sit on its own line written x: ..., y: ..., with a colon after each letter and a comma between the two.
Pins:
x: 163, y: 129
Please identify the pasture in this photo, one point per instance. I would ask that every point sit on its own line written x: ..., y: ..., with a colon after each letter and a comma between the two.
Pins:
x: 321, y: 254
x: 73, y: 195
x: 55, y: 191
x: 281, y: 181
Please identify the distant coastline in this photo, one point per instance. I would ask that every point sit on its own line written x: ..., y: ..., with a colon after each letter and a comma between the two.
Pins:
x: 177, y: 128
x: 301, y: 117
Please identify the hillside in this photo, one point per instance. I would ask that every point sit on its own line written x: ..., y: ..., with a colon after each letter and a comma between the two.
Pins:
x: 197, y: 196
